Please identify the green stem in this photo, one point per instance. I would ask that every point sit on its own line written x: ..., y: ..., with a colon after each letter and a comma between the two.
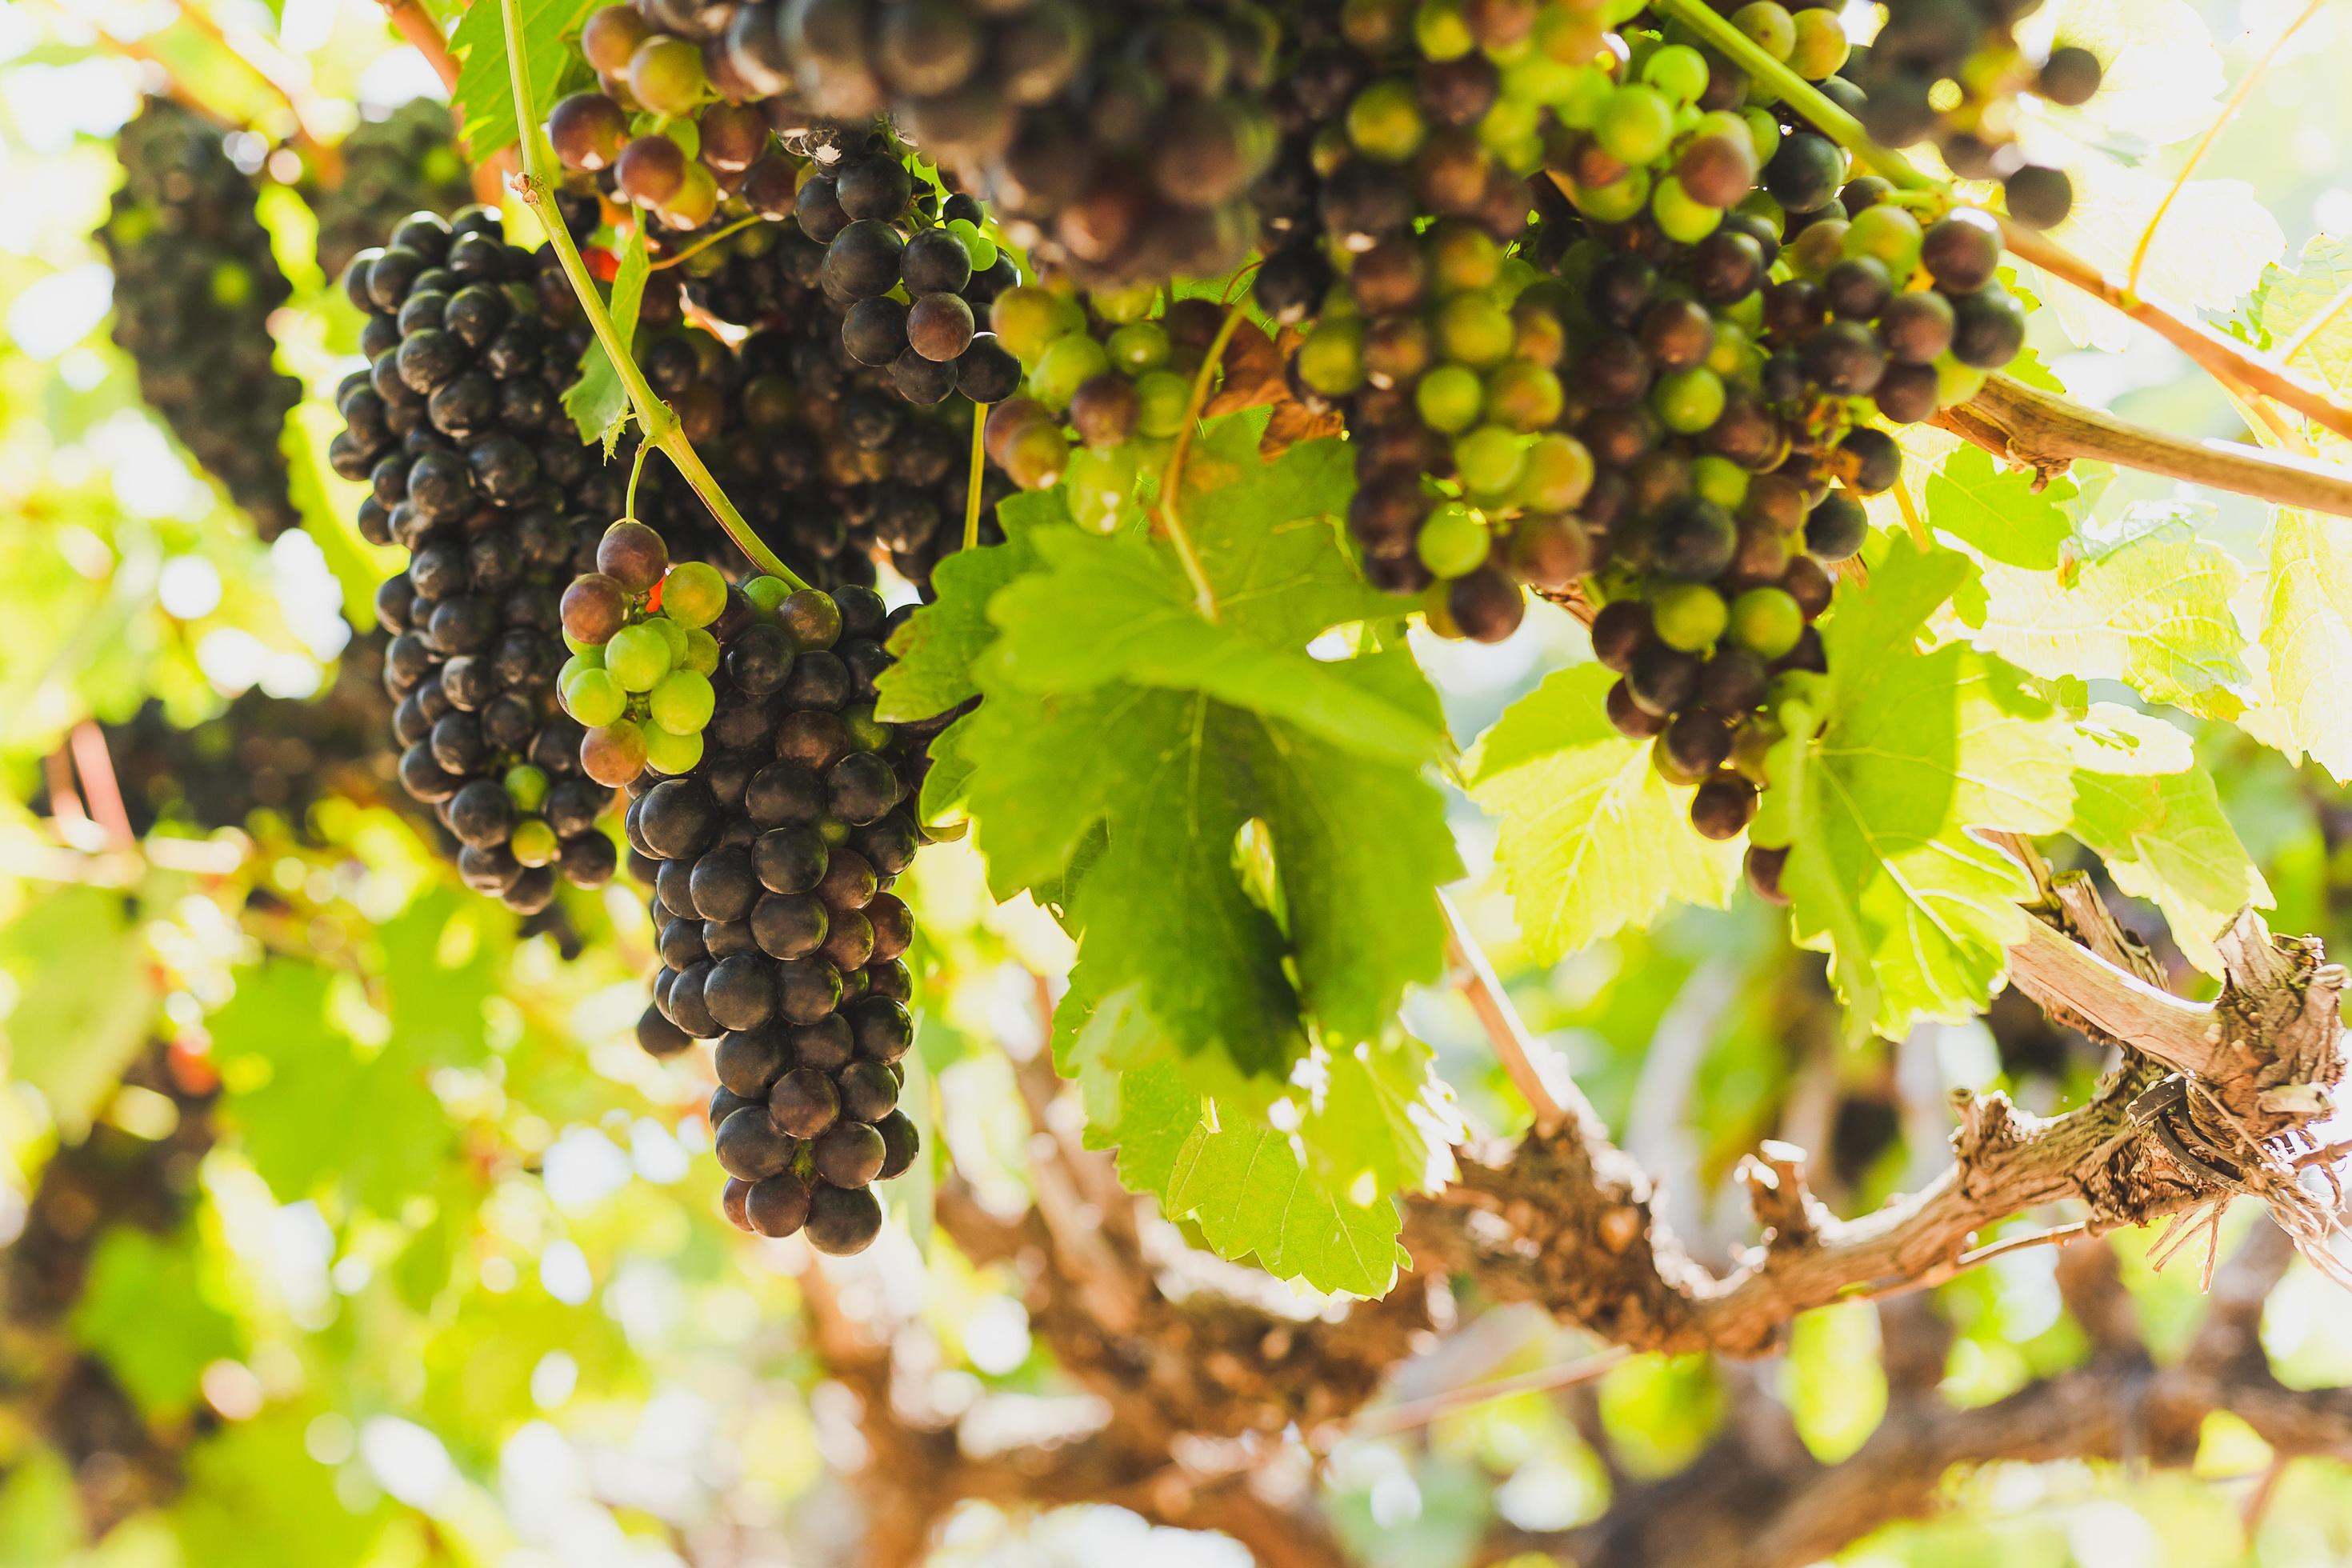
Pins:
x: 1801, y: 95
x: 1172, y: 479
x: 706, y: 242
x: 636, y: 467
x: 979, y: 471
x: 660, y: 426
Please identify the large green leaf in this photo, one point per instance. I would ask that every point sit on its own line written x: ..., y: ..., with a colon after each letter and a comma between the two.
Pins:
x: 1591, y: 837
x: 484, y: 91
x: 597, y: 402
x: 939, y: 647
x: 1890, y: 759
x: 84, y: 1004
x: 1998, y: 512
x: 2307, y: 637
x: 138, y: 1284
x: 2151, y: 609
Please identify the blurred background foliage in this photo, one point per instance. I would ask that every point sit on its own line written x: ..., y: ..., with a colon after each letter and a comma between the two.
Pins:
x: 347, y: 1224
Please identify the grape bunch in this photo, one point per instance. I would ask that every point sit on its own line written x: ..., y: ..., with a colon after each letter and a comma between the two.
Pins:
x: 476, y: 469
x: 909, y: 273
x: 771, y: 862
x: 195, y: 282
x: 1950, y: 72
x: 393, y: 165
x: 642, y: 657
x: 1118, y: 139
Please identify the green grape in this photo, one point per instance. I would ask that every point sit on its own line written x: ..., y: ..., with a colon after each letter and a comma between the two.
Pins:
x: 1688, y: 615
x: 694, y: 594
x: 1027, y: 320
x: 573, y: 667
x: 637, y: 657
x: 1138, y: 346
x: 1525, y: 395
x: 1820, y: 248
x: 1558, y: 473
x: 1681, y: 217
x: 1731, y: 355
x: 1821, y: 46
x: 1472, y: 330
x: 1510, y: 127
x: 1384, y: 121
x: 673, y: 637
x: 701, y: 652
x: 526, y: 786
x: 1440, y: 32
x: 1768, y: 26
x: 1766, y: 621
x: 1491, y: 459
x: 766, y: 593
x: 669, y: 753
x: 1580, y: 108
x: 594, y: 697
x: 1891, y: 235
x: 1121, y: 306
x: 682, y: 704
x: 1746, y: 313
x: 1332, y: 360
x: 1955, y: 383
x: 1537, y: 80
x: 1101, y: 488
x: 867, y: 732
x: 1718, y: 479
x: 1461, y: 258
x: 1448, y: 398
x: 1635, y: 126
x: 1688, y: 400
x: 1763, y: 135
x: 1618, y: 201
x: 534, y: 842
x: 1454, y: 541
x: 1162, y: 397
x: 1068, y: 363
x: 1678, y: 71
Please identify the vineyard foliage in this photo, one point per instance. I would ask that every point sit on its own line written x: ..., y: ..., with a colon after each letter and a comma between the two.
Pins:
x: 405, y: 1251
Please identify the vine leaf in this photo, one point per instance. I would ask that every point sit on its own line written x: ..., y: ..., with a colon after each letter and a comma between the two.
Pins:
x: 2151, y: 608
x: 1996, y: 513
x: 937, y: 648
x: 483, y: 89
x: 84, y: 1001
x: 1889, y: 760
x: 2152, y: 815
x: 131, y: 1275
x: 597, y: 402
x: 2307, y: 636
x: 1592, y: 839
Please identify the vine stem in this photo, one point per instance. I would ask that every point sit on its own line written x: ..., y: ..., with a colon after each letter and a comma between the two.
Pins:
x: 977, y: 472
x: 2224, y: 358
x: 659, y: 423
x: 1506, y: 1032
x: 1172, y: 479
x: 706, y: 242
x: 1410, y: 1414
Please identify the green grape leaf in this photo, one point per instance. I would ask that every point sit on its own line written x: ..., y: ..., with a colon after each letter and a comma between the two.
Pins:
x: 484, y: 92
x: 2146, y: 808
x: 2289, y: 301
x: 254, y: 1495
x: 1591, y: 838
x: 84, y: 1003
x: 939, y: 647
x: 1996, y: 513
x: 2307, y: 636
x: 597, y: 402
x: 2151, y: 609
x: 1889, y: 761
x: 139, y: 1282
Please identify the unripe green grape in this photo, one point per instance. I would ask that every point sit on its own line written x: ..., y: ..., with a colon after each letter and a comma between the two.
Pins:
x: 1720, y: 480
x: 666, y: 75
x: 593, y: 697
x: 1769, y: 26
x: 1068, y: 363
x: 1490, y: 459
x: 1637, y: 125
x: 1820, y: 248
x: 766, y: 593
x: 1763, y: 133
x: 1766, y: 621
x: 1580, y: 109
x: 1101, y: 488
x: 1462, y: 257
x: 673, y: 637
x: 1509, y: 127
x: 682, y: 704
x: 1332, y: 360
x: 1956, y: 383
x: 612, y: 753
x: 637, y: 657
x: 1559, y: 474
x: 694, y: 594
x: 867, y: 732
x: 1688, y: 400
x: 1732, y: 354
x: 671, y: 754
x: 1440, y: 32
x: 533, y: 842
x: 1472, y: 330
x: 1618, y: 201
x: 1027, y: 320
x: 1681, y: 217
x: 1448, y: 398
x: 1453, y: 542
x: 573, y: 666
x: 1821, y: 46
x: 1688, y: 615
x: 1524, y: 396
x: 1384, y: 121
x: 1121, y: 306
x: 1746, y: 313
x: 1037, y: 456
x: 526, y: 786
x: 1137, y: 346
x: 1889, y: 234
x: 1539, y: 80
x: 701, y: 652
x: 1678, y: 71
